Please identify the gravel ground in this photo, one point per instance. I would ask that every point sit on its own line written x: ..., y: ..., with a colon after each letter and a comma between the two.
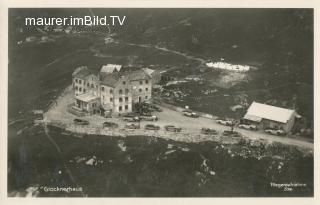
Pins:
x: 190, y: 126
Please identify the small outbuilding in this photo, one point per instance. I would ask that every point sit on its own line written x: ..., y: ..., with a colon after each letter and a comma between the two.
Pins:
x: 267, y: 116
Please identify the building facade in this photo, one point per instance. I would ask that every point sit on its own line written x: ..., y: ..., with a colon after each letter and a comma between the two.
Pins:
x: 110, y: 93
x: 267, y: 116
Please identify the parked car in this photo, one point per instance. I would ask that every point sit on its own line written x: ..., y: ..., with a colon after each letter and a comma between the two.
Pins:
x: 230, y: 133
x: 81, y: 122
x: 149, y: 117
x: 155, y: 108
x: 172, y: 128
x: 273, y: 131
x: 208, y: 131
x: 190, y: 114
x: 151, y: 127
x: 132, y: 126
x: 130, y: 118
x: 110, y: 125
x: 224, y: 121
x: 248, y: 126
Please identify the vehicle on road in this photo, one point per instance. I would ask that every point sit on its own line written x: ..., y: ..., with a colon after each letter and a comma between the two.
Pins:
x: 130, y: 117
x: 110, y: 125
x: 149, y: 117
x: 248, y: 126
x: 80, y: 122
x: 172, y: 128
x: 152, y: 127
x: 132, y: 126
x: 208, y: 131
x: 273, y: 131
x: 190, y: 114
x: 231, y: 133
x: 224, y: 121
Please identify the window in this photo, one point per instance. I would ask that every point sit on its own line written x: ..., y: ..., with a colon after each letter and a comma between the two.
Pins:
x: 140, y: 82
x: 120, y: 100
x: 126, y: 99
x: 140, y: 90
x: 111, y: 91
x: 76, y: 87
x: 80, y: 89
x: 84, y: 90
x: 80, y: 81
x: 120, y: 108
x: 120, y: 91
x: 124, y: 82
x: 91, y: 85
x: 88, y: 84
x: 146, y: 97
x: 127, y: 91
x: 147, y: 89
x: 102, y: 88
x: 76, y: 80
x: 111, y: 99
x: 147, y: 81
x: 126, y: 107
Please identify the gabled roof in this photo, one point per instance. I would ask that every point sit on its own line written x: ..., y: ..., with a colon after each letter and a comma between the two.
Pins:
x: 258, y: 111
x: 82, y: 72
x: 110, y: 68
x: 148, y: 71
x: 110, y: 79
x: 138, y: 75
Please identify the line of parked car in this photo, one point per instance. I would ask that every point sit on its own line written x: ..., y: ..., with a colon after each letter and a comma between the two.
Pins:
x: 245, y: 125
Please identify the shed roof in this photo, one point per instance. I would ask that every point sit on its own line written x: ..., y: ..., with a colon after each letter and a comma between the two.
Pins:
x: 258, y: 111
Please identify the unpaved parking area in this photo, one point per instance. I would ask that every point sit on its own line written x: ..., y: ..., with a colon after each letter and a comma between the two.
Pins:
x: 190, y: 126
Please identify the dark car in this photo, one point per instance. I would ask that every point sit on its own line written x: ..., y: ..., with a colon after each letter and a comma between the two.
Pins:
x: 208, y: 131
x: 110, y: 125
x: 172, y: 128
x: 131, y: 118
x: 155, y: 108
x: 81, y: 122
x: 132, y: 126
x: 152, y: 127
x: 230, y: 133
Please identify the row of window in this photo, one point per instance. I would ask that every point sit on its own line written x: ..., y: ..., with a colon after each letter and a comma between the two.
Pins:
x: 88, y: 84
x: 80, y: 89
x: 141, y: 82
x: 125, y: 107
x: 111, y: 90
x: 126, y: 91
x: 126, y: 99
x: 140, y: 90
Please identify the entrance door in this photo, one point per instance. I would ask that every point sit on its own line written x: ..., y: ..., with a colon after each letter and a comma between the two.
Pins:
x: 139, y: 99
